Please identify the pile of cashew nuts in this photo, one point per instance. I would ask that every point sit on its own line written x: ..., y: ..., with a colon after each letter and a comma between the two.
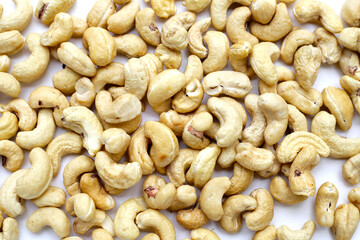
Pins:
x: 100, y: 102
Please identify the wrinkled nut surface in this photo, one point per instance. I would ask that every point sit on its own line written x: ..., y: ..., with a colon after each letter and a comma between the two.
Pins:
x: 59, y: 31
x: 12, y: 155
x: 193, y: 133
x: 11, y: 42
x: 352, y: 86
x: 196, y: 45
x: 325, y: 204
x: 350, y: 12
x: 238, y: 57
x: 157, y: 193
x: 46, y: 10
x: 10, y: 229
x: 146, y: 26
x: 329, y: 46
x: 346, y: 221
x: 349, y: 63
x: 282, y: 193
x: 21, y: 108
x: 191, y: 218
x: 306, y: 232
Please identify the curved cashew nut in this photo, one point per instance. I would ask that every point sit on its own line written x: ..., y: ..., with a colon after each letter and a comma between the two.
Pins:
x: 349, y: 63
x: 292, y: 144
x: 116, y: 141
x: 137, y: 77
x: 48, y: 97
x: 202, y: 234
x: 276, y: 166
x: 252, y: 158
x: 154, y: 221
x: 193, y: 69
x: 83, y: 121
x: 101, y: 234
x: 110, y: 74
x: 196, y: 45
x: 193, y: 134
x: 238, y: 58
x: 315, y: 11
x: 293, y: 41
x: 100, y: 13
x: 218, y: 9
x: 175, y: 121
x: 282, y: 193
x: 41, y: 135
x: 12, y: 155
x: 189, y: 98
x: 59, y: 31
x: 10, y: 203
x: 9, y: 85
x: 123, y: 20
x: 297, y: 120
x: 233, y: 207
x: 36, y: 64
x: 8, y: 125
x: 346, y: 221
x: 240, y: 181
x: 219, y: 49
x: 85, y: 93
x: 101, y: 219
x: 306, y: 233
x: 236, y: 26
x: 325, y: 204
x: 329, y: 46
x: 4, y: 63
x: 169, y: 57
x: 64, y: 144
x: 264, y: 212
x: 10, y: 229
x: 153, y: 64
x: 191, y: 218
x: 227, y: 156
x: 263, y: 11
x: 261, y: 59
x: 46, y: 10
x: 174, y: 33
x: 11, y: 42
x: 82, y: 206
x: 49, y: 216
x: 211, y: 197
x: 185, y: 197
x: 350, y: 13
x: 268, y: 233
x: 27, y: 116
x: 284, y: 74
x: 146, y: 26
x: 19, y: 19
x: 323, y: 125
x: 157, y: 193
x: 124, y: 221
x: 52, y: 197
x: 65, y: 80
x: 131, y: 45
x: 351, y: 86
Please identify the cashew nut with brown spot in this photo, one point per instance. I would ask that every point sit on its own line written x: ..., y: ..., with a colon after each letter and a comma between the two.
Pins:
x: 157, y: 193
x: 46, y: 10
x: 61, y: 30
x: 193, y: 134
x: 325, y: 204
x: 21, y: 108
x: 350, y: 63
x: 85, y: 93
x: 146, y: 26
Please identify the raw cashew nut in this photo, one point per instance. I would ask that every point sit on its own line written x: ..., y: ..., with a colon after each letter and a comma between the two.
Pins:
x: 264, y: 212
x: 169, y: 57
x: 36, y: 64
x: 59, y: 31
x: 191, y: 218
x: 10, y: 203
x: 46, y: 10
x: 195, y: 5
x: 202, y: 234
x: 278, y: 28
x: 218, y: 9
x: 153, y: 220
x: 293, y: 41
x: 351, y: 171
x: 238, y: 58
x: 116, y: 141
x: 346, y: 221
x: 163, y: 9
x: 263, y: 10
x: 196, y: 45
x: 4, y: 63
x: 82, y: 206
x: 282, y: 193
x: 27, y: 116
x: 10, y: 229
x: 64, y: 144
x: 292, y: 144
x: 175, y: 121
x: 189, y: 98
x: 227, y: 156
x: 325, y: 204
x: 202, y: 167
x: 211, y: 197
x: 111, y: 74
x: 100, y: 13
x: 174, y: 33
x: 185, y: 197
x: 233, y: 207
x: 12, y: 155
x: 240, y: 181
x: 123, y: 20
x: 276, y: 113
x: 146, y: 26
x: 18, y: 19
x: 350, y: 12
x: 101, y: 234
x: 158, y: 194
x: 268, y: 233
x: 65, y: 80
x: 11, y: 42
x: 101, y: 219
x: 80, y: 27
x: 137, y: 77
x: 124, y: 221
x: 261, y: 59
x: 73, y: 171
x: 130, y: 45
x: 276, y: 166
x: 219, y: 49
x: 9, y: 85
x: 83, y: 121
x: 52, y: 197
x: 52, y: 217
x: 329, y: 46
x: 354, y: 197
x: 308, y: 102
x: 323, y: 125
x: 352, y: 86
x: 297, y: 120
x: 349, y: 63
x: 252, y: 158
x: 41, y: 135
x: 8, y: 125
x: 340, y: 105
x: 306, y: 232
x: 85, y: 93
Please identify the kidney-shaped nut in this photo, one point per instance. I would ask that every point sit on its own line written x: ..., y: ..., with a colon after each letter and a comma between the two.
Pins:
x: 227, y: 156
x: 238, y: 57
x: 10, y: 203
x: 349, y: 63
x: 195, y: 5
x: 350, y: 12
x: 240, y: 181
x: 263, y: 10
x: 352, y: 86
x: 218, y: 9
x: 297, y: 120
x: 4, y: 63
x: 11, y: 42
x: 46, y: 10
x: 122, y: 21
x: 12, y: 155
x: 263, y: 214
x: 65, y: 80
x: 202, y: 234
x: 252, y: 158
x: 196, y: 44
x: 189, y: 98
x: 76, y: 59
x: 261, y: 59
x: 165, y: 85
x: 59, y: 31
x: 111, y: 74
x: 175, y: 121
x: 276, y: 113
x: 233, y: 208
x: 115, y: 140
x: 9, y: 85
x: 163, y: 9
x: 219, y: 49
x: 268, y: 233
x: 174, y: 33
x: 292, y: 144
x: 306, y: 232
x: 282, y: 193
x: 82, y: 206
x: 130, y: 45
x: 36, y: 64
x: 193, y: 134
x: 293, y: 41
x: 146, y: 26
x: 354, y: 197
x: 21, y: 108
x: 137, y: 77
x: 158, y: 194
x: 329, y: 46
x: 169, y: 57
x: 153, y: 220
x: 101, y: 219
x: 101, y: 234
x: 52, y: 197
x: 83, y: 121
x: 100, y: 13
x: 18, y: 19
x: 323, y: 125
x: 10, y: 229
x: 8, y: 125
x: 41, y: 135
x: 325, y: 204
x: 191, y: 218
x: 211, y: 197
x: 351, y: 169
x: 308, y: 102
x: 185, y: 197
x: 315, y: 11
x: 346, y: 221
x: 52, y: 217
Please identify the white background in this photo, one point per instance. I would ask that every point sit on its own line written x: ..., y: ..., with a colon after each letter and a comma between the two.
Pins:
x: 293, y: 216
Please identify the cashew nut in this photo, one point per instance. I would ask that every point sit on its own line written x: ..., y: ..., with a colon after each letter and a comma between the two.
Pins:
x: 297, y: 120
x: 82, y: 206
x: 111, y: 74
x: 18, y: 19
x: 350, y: 170
x: 351, y: 86
x: 123, y: 20
x: 240, y: 181
x: 196, y: 45
x: 101, y: 234
x: 227, y: 155
x: 306, y: 232
x: 52, y: 197
x: 193, y: 134
x: 268, y: 233
x: 9, y: 85
x: 189, y: 98
x: 282, y: 193
x: 329, y: 46
x: 59, y: 31
x: 195, y: 5
x: 346, y: 221
x: 263, y: 10
x: 85, y: 93
x: 202, y: 234
x: 101, y: 219
x: 163, y: 9
x: 10, y: 229
x: 191, y: 218
x: 238, y: 58
x: 169, y: 57
x: 175, y: 121
x: 4, y: 63
x: 65, y: 80
x: 185, y: 197
x: 252, y: 158
x: 349, y: 63
x: 11, y: 42
x: 46, y: 10
x: 146, y: 26
x: 158, y: 194
x: 27, y: 116
x: 350, y: 13
x: 12, y: 155
x: 325, y: 204
x: 100, y: 13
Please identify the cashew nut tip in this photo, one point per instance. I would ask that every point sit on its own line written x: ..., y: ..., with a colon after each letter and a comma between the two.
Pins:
x: 306, y: 233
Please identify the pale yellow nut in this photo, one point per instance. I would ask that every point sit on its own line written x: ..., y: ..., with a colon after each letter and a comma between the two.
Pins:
x: 52, y: 197
x: 346, y: 221
x: 169, y: 57
x: 175, y: 121
x: 227, y: 155
x: 219, y: 49
x: 11, y: 42
x: 130, y: 45
x: 146, y: 26
x: 101, y: 234
x: 115, y: 140
x: 46, y: 10
x: 157, y: 193
x: 354, y: 197
x: 59, y: 31
x: 12, y: 155
x: 101, y: 219
x: 350, y: 170
x: 276, y: 166
x: 203, y: 233
x: 64, y: 144
x: 65, y: 80
x: 282, y: 193
x: 196, y: 45
x: 111, y: 74
x: 240, y: 181
x: 85, y: 93
x: 185, y: 197
x: 284, y: 74
x: 18, y: 19
x: 193, y: 133
x: 195, y: 5
x: 4, y: 63
x: 263, y: 10
x: 123, y: 20
x: 151, y: 236
x: 252, y: 158
x: 350, y: 12
x: 82, y: 206
x: 9, y: 85
x: 79, y: 28
x: 305, y: 233
x: 153, y: 64
x: 163, y: 9
x: 268, y: 233
x: 350, y: 63
x: 351, y: 86
x: 41, y: 135
x: 189, y: 98
x: 100, y: 13
x: 329, y: 46
x: 278, y: 28
x: 10, y: 229
x: 136, y: 78
x: 191, y: 218
x: 325, y: 204
x: 26, y: 115
x: 297, y: 120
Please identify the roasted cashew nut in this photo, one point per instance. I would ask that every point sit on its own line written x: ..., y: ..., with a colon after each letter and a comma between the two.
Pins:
x: 306, y: 233
x: 196, y: 45
x: 18, y: 19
